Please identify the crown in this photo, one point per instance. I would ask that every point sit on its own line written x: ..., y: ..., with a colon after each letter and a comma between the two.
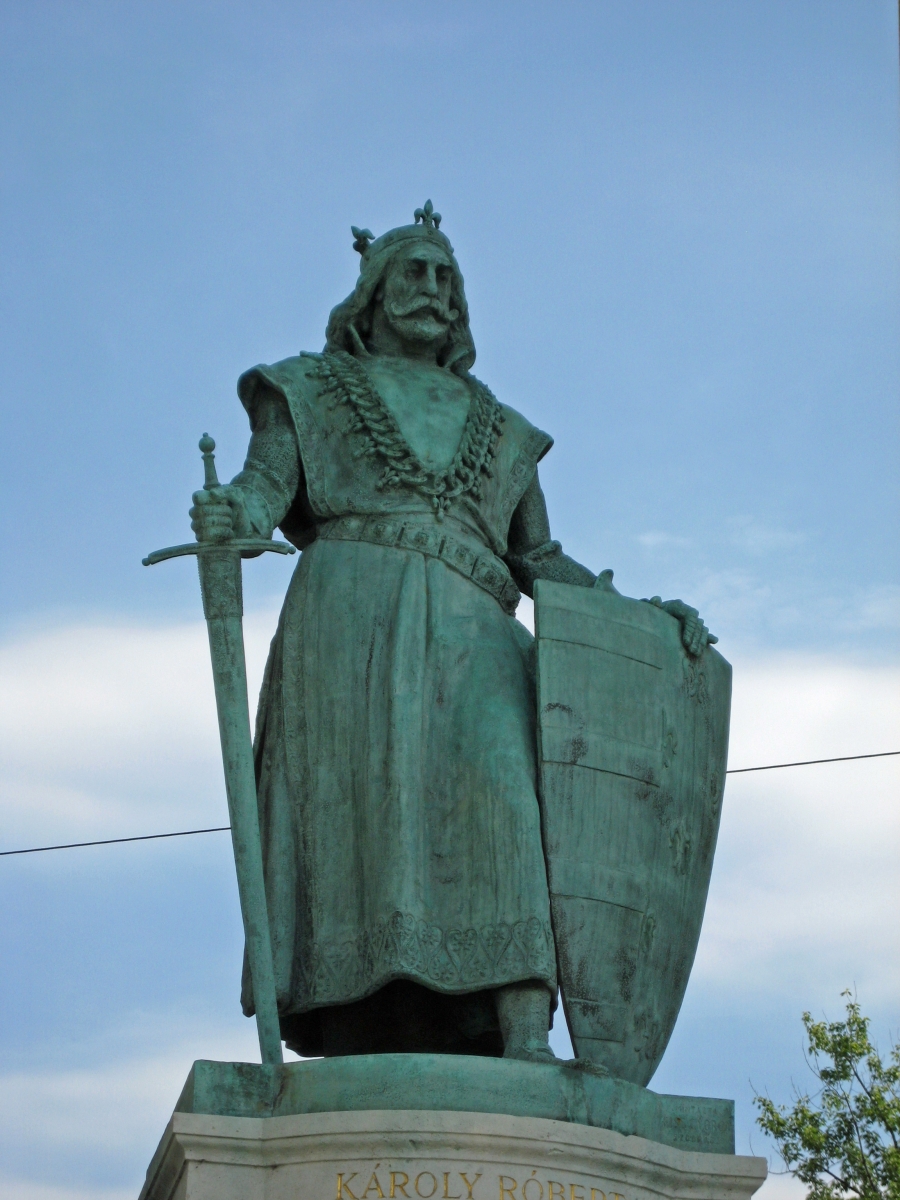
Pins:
x: 426, y: 222
x: 429, y: 218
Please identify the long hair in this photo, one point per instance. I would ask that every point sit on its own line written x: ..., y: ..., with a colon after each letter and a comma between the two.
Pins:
x: 353, y: 316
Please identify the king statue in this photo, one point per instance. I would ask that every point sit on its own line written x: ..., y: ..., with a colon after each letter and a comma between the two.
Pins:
x: 397, y: 741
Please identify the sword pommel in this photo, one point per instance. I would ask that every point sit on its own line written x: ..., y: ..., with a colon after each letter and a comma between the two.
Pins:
x: 211, y: 479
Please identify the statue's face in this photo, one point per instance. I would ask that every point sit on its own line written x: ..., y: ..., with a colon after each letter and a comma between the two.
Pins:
x: 415, y: 294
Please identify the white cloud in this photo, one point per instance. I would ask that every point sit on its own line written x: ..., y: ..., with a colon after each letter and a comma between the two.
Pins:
x: 110, y: 729
x: 811, y: 707
x: 805, y: 885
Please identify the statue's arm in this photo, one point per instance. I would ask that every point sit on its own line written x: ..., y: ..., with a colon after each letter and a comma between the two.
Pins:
x: 532, y: 553
x: 270, y: 491
x: 271, y: 477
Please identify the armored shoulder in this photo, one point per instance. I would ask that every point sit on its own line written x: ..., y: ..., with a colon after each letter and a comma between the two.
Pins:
x: 523, y: 438
x: 293, y: 378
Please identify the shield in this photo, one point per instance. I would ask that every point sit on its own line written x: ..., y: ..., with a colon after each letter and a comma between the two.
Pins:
x: 633, y: 741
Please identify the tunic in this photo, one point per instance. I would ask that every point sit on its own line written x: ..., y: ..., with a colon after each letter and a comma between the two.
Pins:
x: 395, y: 741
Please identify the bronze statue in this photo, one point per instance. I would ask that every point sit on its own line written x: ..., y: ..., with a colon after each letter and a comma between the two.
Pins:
x: 397, y: 734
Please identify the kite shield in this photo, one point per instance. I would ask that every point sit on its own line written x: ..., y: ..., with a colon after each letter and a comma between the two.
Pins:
x: 633, y: 741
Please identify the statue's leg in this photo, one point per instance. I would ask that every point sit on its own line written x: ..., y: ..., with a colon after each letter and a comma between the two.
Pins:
x: 523, y: 1010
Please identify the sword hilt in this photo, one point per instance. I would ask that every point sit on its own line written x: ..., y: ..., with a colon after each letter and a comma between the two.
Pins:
x: 246, y: 547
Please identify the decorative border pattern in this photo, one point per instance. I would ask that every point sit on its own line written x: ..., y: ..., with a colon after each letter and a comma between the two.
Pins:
x: 455, y: 959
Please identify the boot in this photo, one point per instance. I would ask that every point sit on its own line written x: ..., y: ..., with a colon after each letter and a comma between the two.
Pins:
x: 523, y: 1010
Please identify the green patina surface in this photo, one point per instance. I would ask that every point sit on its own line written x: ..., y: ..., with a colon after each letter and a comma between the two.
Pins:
x: 453, y: 822
x: 458, y: 1083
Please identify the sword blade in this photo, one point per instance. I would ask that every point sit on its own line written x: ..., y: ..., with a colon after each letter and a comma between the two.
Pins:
x: 220, y: 579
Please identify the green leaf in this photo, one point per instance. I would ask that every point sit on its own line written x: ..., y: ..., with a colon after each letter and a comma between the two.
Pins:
x: 846, y: 1142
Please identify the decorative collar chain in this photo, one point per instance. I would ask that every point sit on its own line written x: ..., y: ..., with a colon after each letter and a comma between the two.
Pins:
x: 345, y: 377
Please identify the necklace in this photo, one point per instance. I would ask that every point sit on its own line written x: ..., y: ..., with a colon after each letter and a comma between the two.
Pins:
x: 345, y: 378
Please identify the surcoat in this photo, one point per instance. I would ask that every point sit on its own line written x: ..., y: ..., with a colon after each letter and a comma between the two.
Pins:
x: 395, y: 738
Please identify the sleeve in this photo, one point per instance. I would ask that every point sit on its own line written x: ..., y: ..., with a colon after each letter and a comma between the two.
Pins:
x: 272, y: 479
x: 532, y: 554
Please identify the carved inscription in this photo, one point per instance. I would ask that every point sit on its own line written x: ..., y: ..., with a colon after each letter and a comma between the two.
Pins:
x: 385, y: 1183
x: 534, y: 1189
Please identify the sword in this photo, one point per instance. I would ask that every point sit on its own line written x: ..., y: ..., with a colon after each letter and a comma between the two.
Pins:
x: 220, y: 586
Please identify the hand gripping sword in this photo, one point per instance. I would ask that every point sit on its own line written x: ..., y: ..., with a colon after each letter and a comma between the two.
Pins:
x: 220, y: 585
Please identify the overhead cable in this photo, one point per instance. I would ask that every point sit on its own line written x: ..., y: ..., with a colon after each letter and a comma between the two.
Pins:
x: 151, y: 837
x: 811, y: 762
x: 143, y: 837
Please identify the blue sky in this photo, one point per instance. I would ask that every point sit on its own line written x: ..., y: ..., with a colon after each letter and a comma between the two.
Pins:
x: 678, y: 224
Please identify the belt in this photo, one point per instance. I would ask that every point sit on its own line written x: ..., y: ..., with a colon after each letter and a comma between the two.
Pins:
x: 484, y: 569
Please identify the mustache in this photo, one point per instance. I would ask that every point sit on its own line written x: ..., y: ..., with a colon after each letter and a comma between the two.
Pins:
x: 434, y: 307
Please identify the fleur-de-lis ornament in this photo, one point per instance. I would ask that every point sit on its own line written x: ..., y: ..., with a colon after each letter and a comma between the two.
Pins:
x: 363, y: 237
x: 429, y: 218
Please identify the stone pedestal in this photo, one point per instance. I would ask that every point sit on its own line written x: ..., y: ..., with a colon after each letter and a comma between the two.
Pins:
x: 418, y: 1155
x: 368, y: 1146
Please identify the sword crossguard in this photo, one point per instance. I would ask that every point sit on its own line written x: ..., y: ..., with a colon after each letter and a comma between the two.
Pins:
x: 246, y: 547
